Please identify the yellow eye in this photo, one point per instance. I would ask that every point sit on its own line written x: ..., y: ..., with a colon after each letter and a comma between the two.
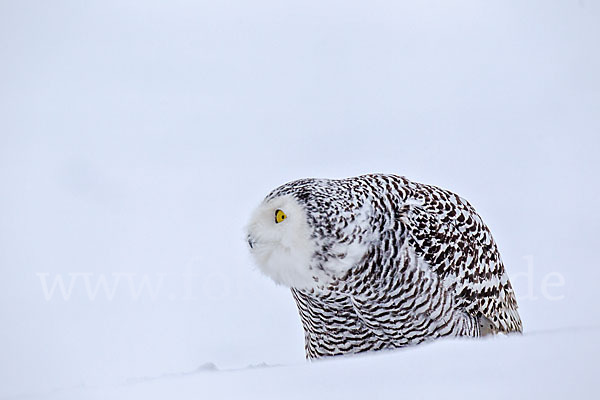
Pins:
x: 279, y: 216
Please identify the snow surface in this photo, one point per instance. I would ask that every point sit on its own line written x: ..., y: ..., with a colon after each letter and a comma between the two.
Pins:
x: 137, y: 136
x: 542, y: 365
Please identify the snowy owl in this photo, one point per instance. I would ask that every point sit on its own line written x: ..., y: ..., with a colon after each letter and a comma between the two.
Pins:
x: 380, y: 262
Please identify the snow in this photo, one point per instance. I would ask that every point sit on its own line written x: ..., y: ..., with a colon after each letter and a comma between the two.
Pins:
x: 539, y: 365
x: 136, y: 138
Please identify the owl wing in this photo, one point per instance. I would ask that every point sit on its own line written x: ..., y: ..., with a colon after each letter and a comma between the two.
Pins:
x: 447, y: 232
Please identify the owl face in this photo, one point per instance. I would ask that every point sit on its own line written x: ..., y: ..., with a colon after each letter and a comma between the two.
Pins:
x: 279, y: 238
x: 307, y: 233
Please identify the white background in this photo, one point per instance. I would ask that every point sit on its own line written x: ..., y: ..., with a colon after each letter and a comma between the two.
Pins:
x: 137, y: 136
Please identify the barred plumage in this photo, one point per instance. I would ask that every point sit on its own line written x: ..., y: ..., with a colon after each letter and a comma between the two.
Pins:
x: 378, y: 261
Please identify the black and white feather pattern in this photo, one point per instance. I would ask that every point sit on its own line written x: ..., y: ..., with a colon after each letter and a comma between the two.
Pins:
x: 419, y: 264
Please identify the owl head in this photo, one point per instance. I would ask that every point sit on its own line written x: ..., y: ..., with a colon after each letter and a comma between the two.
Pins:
x: 307, y: 233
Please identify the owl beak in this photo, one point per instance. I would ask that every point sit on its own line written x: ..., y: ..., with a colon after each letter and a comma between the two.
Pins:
x: 250, y: 242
